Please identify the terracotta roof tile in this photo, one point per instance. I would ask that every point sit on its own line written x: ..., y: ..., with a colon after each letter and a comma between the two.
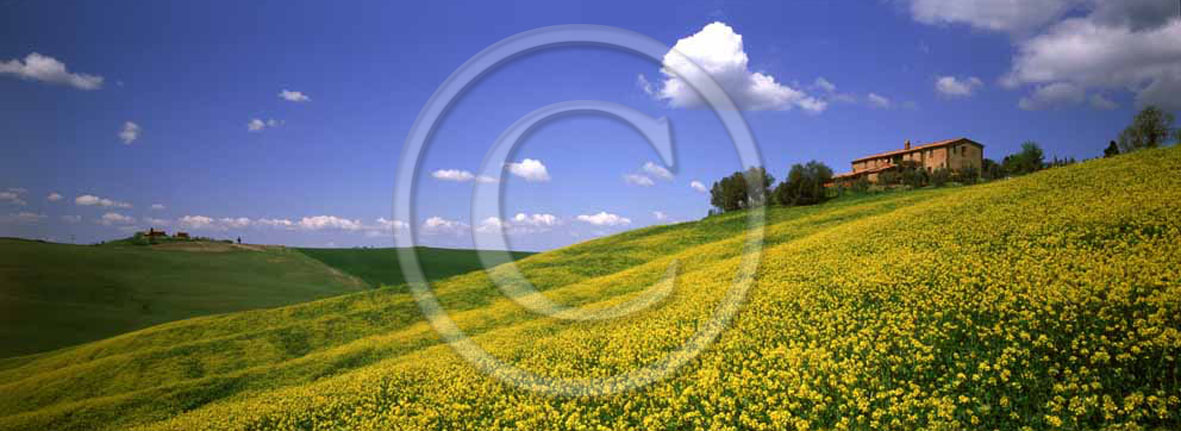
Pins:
x: 916, y: 148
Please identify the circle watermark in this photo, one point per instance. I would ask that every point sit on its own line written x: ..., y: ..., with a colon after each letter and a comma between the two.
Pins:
x: 486, y: 199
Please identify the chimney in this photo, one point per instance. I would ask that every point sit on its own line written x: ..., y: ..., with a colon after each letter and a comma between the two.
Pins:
x: 907, y: 145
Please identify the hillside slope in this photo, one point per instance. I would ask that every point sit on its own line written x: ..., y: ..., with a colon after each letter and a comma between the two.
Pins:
x: 55, y: 295
x: 379, y: 266
x: 1047, y: 301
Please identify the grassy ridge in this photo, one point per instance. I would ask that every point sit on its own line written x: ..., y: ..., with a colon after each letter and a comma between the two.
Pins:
x: 55, y: 295
x: 1046, y: 301
x: 379, y: 266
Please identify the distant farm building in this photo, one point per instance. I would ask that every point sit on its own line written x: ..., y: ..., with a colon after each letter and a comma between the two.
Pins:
x: 181, y: 235
x: 153, y: 233
x: 954, y: 155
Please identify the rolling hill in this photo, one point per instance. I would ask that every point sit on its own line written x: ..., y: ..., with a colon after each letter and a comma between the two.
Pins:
x: 379, y: 266
x: 1050, y: 301
x: 57, y: 295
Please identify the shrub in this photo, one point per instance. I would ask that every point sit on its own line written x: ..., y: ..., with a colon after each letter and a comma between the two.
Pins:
x: 940, y: 177
x: 969, y: 175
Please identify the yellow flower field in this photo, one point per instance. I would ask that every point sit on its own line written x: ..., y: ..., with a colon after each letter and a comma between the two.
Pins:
x: 1051, y: 301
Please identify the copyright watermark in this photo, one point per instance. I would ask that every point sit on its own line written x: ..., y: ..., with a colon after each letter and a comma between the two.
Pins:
x: 486, y: 202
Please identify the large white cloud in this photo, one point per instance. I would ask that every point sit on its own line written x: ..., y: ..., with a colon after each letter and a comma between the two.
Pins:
x: 604, y: 218
x: 1052, y: 95
x: 129, y: 133
x: 698, y: 186
x: 37, y: 67
x: 529, y: 169
x: 1012, y: 16
x: 92, y: 200
x: 1090, y: 53
x: 1067, y: 47
x: 719, y: 51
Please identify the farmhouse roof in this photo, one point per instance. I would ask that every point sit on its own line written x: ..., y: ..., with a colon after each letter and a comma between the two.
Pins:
x: 937, y: 144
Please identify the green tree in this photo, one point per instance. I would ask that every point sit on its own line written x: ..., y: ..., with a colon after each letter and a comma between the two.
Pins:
x: 731, y: 193
x: 991, y: 170
x: 804, y: 184
x: 1149, y: 129
x: 1112, y: 150
x: 1029, y: 160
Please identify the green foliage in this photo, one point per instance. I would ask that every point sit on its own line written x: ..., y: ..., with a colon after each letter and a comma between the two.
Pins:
x: 912, y: 175
x: 940, y: 177
x: 804, y: 184
x: 969, y: 175
x: 888, y: 178
x: 991, y: 170
x: 1112, y: 150
x: 1150, y: 128
x: 1029, y: 160
x: 732, y: 194
x: 861, y: 185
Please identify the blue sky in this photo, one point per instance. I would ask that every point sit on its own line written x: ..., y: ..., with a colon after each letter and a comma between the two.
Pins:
x: 317, y: 168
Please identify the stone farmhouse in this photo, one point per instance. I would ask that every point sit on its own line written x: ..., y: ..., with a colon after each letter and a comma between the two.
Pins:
x: 951, y: 154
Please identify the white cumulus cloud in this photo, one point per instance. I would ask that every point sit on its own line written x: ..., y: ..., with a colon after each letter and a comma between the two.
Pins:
x: 698, y: 186
x: 1052, y: 95
x: 719, y: 51
x: 12, y: 196
x: 950, y: 86
x: 129, y: 133
x: 529, y: 169
x: 23, y: 217
x: 657, y: 171
x: 294, y: 96
x: 878, y: 101
x: 54, y: 197
x: 1015, y: 17
x: 604, y: 218
x: 329, y: 222
x: 638, y: 180
x: 114, y: 218
x: 1066, y: 49
x: 37, y: 67
x: 258, y: 125
x: 456, y: 175
x: 92, y: 200
x: 440, y: 226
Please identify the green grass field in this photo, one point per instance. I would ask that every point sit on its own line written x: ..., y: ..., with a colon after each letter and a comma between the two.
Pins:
x: 1050, y: 301
x: 379, y: 266
x: 56, y: 295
